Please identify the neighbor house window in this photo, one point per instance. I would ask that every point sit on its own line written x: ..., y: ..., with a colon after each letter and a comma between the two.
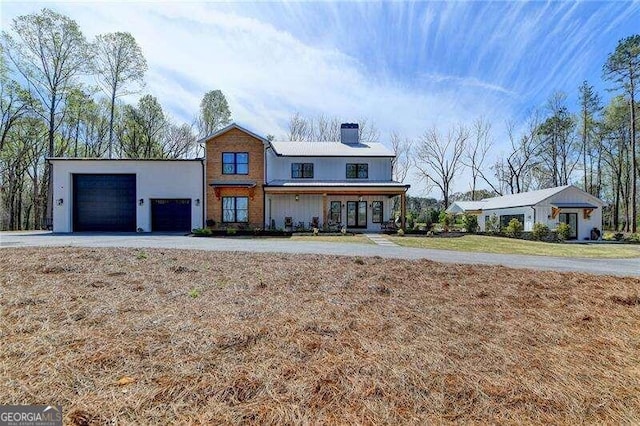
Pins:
x: 235, y: 163
x: 376, y: 212
x: 235, y: 209
x: 506, y: 218
x: 357, y: 171
x: 302, y: 170
x: 335, y: 212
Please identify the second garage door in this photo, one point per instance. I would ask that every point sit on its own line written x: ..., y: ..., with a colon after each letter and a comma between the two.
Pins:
x: 171, y: 215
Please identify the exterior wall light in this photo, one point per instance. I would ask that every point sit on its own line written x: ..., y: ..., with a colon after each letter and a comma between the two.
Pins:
x: 197, y: 201
x: 60, y: 201
x: 297, y: 197
x: 141, y: 201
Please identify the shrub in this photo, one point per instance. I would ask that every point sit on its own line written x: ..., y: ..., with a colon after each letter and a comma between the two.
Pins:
x: 201, y: 232
x: 540, y: 231
x: 470, y: 223
x: 492, y: 224
x: 633, y: 238
x: 514, y: 228
x: 564, y: 231
x: 231, y: 231
x: 400, y: 233
x: 445, y: 220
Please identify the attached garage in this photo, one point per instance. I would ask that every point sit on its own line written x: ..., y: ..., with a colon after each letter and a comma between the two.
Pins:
x: 171, y: 215
x: 104, y: 202
x: 127, y: 195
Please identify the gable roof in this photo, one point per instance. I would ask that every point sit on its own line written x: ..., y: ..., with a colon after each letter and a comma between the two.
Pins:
x: 231, y: 127
x: 330, y: 149
x: 522, y: 199
x: 513, y: 200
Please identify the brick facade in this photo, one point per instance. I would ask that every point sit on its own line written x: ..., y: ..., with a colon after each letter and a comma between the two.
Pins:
x: 235, y: 140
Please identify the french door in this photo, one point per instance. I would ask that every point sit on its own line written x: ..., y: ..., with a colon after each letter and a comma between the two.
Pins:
x: 357, y: 214
x: 570, y: 219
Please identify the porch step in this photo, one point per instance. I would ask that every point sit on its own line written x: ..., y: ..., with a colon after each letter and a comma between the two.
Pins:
x: 381, y: 240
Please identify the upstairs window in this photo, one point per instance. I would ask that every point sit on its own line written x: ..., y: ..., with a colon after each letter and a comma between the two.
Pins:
x: 357, y: 171
x: 235, y: 163
x: 302, y: 171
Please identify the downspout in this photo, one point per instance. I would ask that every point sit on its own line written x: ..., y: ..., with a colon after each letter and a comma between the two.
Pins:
x: 204, y: 194
x: 264, y: 194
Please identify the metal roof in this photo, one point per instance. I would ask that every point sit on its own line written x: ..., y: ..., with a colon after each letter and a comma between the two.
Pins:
x: 234, y: 183
x: 337, y: 183
x: 121, y: 159
x: 464, y: 206
x: 330, y: 149
x: 522, y: 199
x: 575, y: 205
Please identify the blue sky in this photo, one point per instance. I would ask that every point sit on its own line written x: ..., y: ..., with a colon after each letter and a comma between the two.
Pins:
x: 405, y: 66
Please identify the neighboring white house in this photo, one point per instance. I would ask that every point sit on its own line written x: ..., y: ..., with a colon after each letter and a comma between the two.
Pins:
x: 127, y: 195
x: 346, y: 183
x: 569, y: 204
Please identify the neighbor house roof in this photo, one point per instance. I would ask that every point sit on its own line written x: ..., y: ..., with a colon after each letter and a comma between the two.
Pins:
x: 516, y: 200
x: 231, y: 127
x: 330, y: 149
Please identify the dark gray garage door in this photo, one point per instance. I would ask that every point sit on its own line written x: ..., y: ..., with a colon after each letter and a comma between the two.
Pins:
x: 105, y: 203
x: 171, y: 215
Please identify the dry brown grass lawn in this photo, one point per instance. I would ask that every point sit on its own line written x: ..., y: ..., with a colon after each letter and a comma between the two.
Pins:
x: 168, y: 336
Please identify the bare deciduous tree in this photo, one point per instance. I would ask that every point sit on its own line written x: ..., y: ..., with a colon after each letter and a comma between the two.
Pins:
x: 401, y: 163
x: 438, y: 158
x: 475, y: 154
x: 119, y: 67
x: 49, y: 51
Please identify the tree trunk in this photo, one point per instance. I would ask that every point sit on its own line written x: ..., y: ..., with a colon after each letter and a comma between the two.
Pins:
x: 113, y: 104
x: 634, y: 161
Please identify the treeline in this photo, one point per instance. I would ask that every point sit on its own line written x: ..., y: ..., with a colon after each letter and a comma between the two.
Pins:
x: 60, y: 96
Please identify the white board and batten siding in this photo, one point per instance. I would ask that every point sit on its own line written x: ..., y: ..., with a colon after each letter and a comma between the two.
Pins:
x: 155, y: 179
x: 279, y: 206
x: 327, y: 168
x: 572, y: 195
x: 526, y: 211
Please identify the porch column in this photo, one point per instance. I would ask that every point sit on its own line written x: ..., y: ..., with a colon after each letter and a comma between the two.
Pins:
x: 403, y: 210
x: 324, y: 212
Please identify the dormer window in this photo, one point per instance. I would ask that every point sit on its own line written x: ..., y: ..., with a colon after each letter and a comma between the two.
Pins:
x: 357, y: 171
x: 302, y: 171
x: 235, y: 163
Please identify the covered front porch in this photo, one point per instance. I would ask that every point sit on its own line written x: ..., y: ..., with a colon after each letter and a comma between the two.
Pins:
x: 333, y: 208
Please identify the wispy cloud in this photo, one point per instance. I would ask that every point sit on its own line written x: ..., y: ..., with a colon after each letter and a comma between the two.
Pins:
x: 406, y: 66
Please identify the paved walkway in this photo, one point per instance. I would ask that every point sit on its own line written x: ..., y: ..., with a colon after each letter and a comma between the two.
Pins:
x: 621, y: 267
x: 380, y: 240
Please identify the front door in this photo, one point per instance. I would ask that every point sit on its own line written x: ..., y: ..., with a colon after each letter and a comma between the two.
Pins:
x: 357, y: 214
x: 570, y: 219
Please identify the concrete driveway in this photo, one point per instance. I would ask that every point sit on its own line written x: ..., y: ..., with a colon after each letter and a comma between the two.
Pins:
x: 619, y: 267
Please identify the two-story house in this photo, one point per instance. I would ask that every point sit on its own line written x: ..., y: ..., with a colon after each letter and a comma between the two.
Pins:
x: 276, y: 184
x: 334, y: 184
x: 244, y: 180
